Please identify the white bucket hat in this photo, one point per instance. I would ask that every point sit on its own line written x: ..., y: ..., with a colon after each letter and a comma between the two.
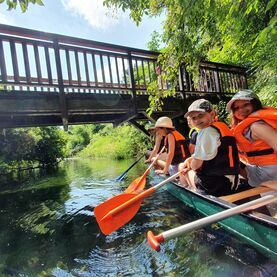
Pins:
x: 164, y: 122
x: 244, y: 94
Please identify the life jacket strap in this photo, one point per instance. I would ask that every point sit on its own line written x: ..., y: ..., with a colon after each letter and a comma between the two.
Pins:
x: 268, y: 151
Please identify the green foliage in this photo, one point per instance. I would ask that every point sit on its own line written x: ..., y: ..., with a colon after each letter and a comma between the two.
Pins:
x: 155, y: 42
x: 21, y: 148
x: 78, y: 137
x: 50, y: 145
x: 31, y: 146
x: 12, y: 4
x: 266, y: 83
x: 16, y: 145
x: 221, y: 112
x: 234, y: 32
x: 116, y: 143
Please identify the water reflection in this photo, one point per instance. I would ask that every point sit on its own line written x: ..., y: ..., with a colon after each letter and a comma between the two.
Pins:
x: 48, y: 229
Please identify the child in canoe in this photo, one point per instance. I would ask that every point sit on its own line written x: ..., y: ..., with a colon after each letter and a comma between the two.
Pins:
x: 193, y: 132
x: 214, y: 165
x: 255, y: 130
x: 158, y: 145
x: 175, y: 143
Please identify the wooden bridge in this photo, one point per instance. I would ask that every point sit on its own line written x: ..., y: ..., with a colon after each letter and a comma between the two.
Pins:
x: 48, y: 79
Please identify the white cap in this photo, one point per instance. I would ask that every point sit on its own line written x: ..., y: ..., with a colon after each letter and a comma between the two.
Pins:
x: 200, y: 105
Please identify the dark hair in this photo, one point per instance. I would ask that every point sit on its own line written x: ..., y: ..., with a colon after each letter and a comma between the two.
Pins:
x: 256, y: 104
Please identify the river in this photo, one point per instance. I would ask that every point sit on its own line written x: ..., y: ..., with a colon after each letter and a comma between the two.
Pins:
x: 48, y: 228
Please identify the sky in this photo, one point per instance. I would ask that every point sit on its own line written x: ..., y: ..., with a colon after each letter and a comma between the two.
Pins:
x: 84, y: 19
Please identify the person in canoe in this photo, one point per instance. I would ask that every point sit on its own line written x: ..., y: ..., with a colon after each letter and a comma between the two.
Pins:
x: 175, y: 143
x: 158, y: 145
x: 193, y: 132
x: 214, y: 165
x: 255, y: 130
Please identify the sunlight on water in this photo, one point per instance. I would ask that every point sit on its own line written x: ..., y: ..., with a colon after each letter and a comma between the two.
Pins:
x: 48, y: 228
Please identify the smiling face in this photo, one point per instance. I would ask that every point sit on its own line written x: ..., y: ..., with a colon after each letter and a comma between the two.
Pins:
x: 202, y: 120
x: 242, y: 108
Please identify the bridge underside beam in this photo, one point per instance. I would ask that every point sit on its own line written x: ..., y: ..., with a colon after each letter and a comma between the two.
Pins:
x: 27, y: 109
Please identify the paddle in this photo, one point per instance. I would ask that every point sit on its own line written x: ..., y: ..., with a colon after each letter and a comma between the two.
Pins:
x: 264, y: 187
x: 138, y: 184
x: 121, y: 177
x: 245, y: 194
x: 120, y: 209
x: 154, y: 241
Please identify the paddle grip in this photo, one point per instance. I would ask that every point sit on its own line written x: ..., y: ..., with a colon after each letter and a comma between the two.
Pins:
x: 154, y: 241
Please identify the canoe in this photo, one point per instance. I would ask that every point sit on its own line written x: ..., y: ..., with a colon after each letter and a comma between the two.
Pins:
x: 256, y: 229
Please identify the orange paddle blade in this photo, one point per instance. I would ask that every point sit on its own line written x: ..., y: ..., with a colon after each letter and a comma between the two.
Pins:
x: 117, y: 220
x: 137, y: 185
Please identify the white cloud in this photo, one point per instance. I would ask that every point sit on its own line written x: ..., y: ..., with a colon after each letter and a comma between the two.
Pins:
x: 94, y: 12
x: 5, y: 20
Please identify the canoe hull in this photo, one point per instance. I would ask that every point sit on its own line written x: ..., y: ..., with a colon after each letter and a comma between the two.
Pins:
x: 256, y: 229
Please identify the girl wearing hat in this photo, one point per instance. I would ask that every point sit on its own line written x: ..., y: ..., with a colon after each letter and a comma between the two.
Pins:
x: 158, y: 141
x: 255, y: 129
x: 175, y: 143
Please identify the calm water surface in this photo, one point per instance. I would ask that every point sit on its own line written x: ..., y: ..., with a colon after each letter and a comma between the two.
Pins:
x: 45, y: 231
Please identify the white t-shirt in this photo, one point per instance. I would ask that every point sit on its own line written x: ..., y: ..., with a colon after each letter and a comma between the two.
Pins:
x: 207, y: 143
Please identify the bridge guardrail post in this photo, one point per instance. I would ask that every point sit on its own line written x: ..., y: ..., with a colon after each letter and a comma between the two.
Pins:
x: 217, y: 81
x: 62, y: 96
x: 182, y: 82
x: 133, y: 83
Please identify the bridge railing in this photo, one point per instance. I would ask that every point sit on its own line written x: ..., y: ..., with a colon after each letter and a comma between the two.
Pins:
x: 37, y: 61
x: 31, y: 60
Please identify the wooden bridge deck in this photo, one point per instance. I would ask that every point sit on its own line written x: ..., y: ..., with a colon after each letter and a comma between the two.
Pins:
x: 49, y: 79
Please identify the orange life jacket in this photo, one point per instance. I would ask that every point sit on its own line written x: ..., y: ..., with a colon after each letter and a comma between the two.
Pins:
x: 181, y: 147
x: 257, y: 152
x: 226, y: 162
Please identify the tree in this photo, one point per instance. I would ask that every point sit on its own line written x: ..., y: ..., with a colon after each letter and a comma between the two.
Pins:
x: 50, y: 145
x: 26, y: 147
x: 12, y: 4
x: 235, y: 32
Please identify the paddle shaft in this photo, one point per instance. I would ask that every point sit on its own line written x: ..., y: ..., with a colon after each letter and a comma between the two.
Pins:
x: 133, y: 189
x: 219, y: 216
x: 153, y: 162
x: 245, y: 194
x: 119, y: 178
x: 264, y: 187
x: 138, y: 197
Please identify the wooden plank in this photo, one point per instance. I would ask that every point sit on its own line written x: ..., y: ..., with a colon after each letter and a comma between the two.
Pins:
x: 86, y: 68
x: 3, y: 63
x: 14, y: 62
x: 124, y: 73
x: 26, y: 63
x: 48, y: 65
x: 67, y: 57
x: 110, y: 69
x: 102, y: 68
x: 117, y: 71
x: 78, y: 67
x: 37, y: 61
x: 245, y: 194
x: 94, y: 69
